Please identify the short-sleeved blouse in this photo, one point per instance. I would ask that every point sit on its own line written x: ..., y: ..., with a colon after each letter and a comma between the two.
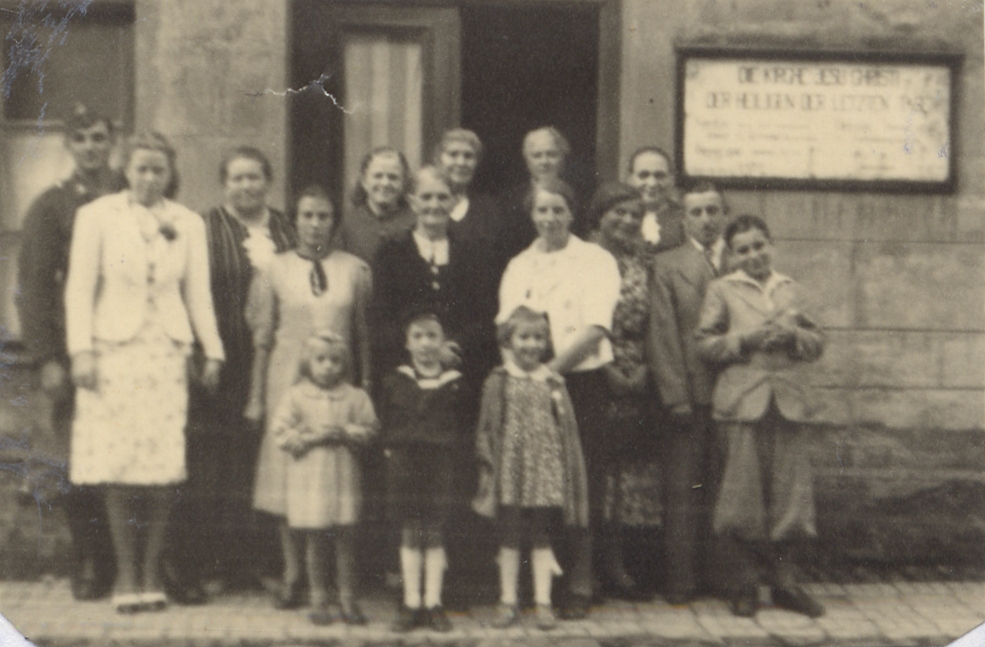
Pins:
x: 578, y: 287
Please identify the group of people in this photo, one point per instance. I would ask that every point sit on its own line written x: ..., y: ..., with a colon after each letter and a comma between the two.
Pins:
x: 564, y: 372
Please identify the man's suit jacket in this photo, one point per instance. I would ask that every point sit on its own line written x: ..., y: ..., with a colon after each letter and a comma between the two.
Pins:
x: 681, y: 278
x: 107, y: 288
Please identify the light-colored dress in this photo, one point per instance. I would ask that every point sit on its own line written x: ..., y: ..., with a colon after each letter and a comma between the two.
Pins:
x: 324, y: 485
x: 137, y: 287
x: 532, y: 468
x: 283, y: 313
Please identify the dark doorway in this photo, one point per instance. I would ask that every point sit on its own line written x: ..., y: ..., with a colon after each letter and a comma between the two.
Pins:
x: 524, y: 67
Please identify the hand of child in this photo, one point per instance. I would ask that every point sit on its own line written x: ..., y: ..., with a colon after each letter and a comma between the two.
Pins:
x: 780, y: 335
x: 297, y: 445
x: 253, y: 414
x: 755, y: 339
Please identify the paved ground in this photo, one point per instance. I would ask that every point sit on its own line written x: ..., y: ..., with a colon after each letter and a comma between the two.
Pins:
x: 859, y: 615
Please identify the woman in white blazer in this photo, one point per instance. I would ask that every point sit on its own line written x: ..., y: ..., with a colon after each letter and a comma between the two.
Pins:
x: 136, y: 299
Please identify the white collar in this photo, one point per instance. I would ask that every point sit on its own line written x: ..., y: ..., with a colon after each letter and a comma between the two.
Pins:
x: 433, y: 251
x: 430, y: 382
x: 460, y: 209
x: 772, y: 283
x: 540, y: 374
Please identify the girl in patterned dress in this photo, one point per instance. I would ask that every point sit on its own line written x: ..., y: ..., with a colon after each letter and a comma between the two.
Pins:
x: 320, y: 422
x: 531, y: 464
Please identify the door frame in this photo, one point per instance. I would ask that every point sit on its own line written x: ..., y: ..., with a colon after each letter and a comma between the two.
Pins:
x: 442, y: 82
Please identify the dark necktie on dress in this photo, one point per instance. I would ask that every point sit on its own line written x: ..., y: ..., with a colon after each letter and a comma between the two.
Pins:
x: 319, y: 282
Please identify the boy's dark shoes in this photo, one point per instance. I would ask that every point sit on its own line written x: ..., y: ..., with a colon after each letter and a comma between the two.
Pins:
x: 289, y: 596
x: 744, y: 601
x: 437, y: 620
x: 575, y: 607
x: 407, y: 619
x: 794, y: 598
x: 353, y: 615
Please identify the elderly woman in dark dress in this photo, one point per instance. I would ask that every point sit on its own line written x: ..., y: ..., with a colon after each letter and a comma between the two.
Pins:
x: 216, y: 538
x: 379, y: 204
x: 632, y: 496
x: 432, y: 268
x: 545, y: 151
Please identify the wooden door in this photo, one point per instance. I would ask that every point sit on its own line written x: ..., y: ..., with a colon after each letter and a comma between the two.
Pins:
x: 369, y: 75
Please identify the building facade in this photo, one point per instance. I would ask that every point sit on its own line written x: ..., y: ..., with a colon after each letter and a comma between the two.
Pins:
x: 897, y: 278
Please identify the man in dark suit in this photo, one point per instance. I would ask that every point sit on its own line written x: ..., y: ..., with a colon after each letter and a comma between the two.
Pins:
x: 43, y: 265
x: 685, y: 383
x: 652, y: 172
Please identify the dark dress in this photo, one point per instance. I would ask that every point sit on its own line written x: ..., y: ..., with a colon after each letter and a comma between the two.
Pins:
x: 462, y: 294
x: 483, y: 228
x: 362, y: 232
x: 215, y: 519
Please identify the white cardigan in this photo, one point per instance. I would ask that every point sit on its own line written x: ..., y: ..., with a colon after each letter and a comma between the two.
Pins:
x: 106, y: 290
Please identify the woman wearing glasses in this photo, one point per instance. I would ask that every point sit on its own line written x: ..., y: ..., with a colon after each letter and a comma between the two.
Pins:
x: 314, y: 287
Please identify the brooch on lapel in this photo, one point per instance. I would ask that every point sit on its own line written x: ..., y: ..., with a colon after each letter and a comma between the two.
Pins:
x: 168, y: 231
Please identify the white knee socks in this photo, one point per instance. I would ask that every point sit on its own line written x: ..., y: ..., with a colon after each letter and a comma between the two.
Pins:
x: 545, y: 567
x: 410, y: 566
x: 435, y: 564
x: 509, y: 574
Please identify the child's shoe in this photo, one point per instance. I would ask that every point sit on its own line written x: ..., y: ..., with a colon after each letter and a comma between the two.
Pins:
x: 437, y: 620
x: 796, y: 599
x: 321, y: 615
x: 289, y: 596
x: 407, y: 619
x: 507, y: 615
x: 545, y: 617
x: 352, y: 614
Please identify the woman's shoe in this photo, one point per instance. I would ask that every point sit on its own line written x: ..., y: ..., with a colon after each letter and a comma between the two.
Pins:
x: 352, y: 615
x: 744, y: 601
x: 507, y: 615
x: 437, y: 620
x: 153, y: 601
x: 545, y: 617
x: 407, y: 619
x: 127, y: 603
x: 321, y: 615
x: 794, y: 598
x: 289, y: 596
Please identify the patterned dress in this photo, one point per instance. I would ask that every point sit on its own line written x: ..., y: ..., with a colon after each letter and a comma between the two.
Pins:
x: 131, y: 428
x: 633, y: 482
x: 532, y: 466
x: 284, y: 312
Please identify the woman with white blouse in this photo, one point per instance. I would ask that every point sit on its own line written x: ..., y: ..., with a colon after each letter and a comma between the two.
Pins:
x: 577, y: 284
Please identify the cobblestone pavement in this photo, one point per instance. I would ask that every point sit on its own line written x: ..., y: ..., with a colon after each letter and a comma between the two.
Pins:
x: 859, y: 615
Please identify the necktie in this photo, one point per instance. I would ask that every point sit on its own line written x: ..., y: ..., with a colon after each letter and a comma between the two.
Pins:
x: 710, y: 257
x: 319, y: 282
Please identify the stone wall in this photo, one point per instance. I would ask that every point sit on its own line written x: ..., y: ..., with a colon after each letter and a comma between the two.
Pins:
x: 212, y: 75
x: 896, y: 279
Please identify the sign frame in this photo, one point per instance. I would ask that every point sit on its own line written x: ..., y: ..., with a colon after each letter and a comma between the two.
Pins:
x: 951, y: 61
